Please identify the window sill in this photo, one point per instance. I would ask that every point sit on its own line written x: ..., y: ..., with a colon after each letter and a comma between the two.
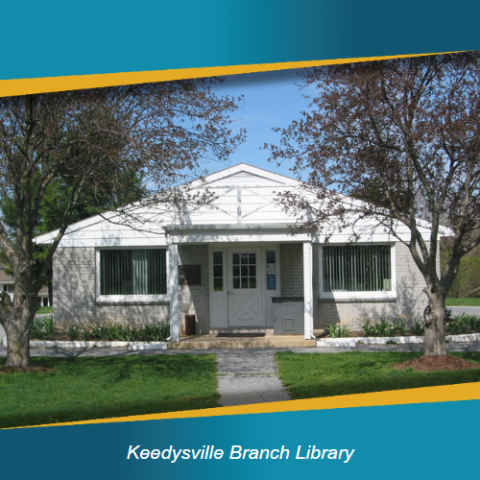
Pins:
x: 133, y: 300
x: 351, y: 297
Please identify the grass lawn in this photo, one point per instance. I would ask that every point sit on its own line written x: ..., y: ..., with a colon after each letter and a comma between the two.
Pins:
x: 308, y: 375
x: 462, y: 302
x: 45, y: 310
x: 86, y: 388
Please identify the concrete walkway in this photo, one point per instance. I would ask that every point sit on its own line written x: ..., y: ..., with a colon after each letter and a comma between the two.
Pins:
x: 246, y: 377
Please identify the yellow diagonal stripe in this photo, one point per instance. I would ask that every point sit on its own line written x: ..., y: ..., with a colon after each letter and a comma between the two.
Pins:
x: 449, y: 393
x: 27, y: 86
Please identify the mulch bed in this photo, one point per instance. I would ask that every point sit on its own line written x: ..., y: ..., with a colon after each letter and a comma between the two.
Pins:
x: 437, y: 363
x: 4, y: 369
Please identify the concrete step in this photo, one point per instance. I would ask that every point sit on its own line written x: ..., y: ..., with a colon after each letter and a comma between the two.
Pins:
x: 209, y: 342
x: 214, y: 332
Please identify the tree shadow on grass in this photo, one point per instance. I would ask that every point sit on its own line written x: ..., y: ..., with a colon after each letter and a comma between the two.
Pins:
x: 358, y: 386
x: 309, y: 376
x: 85, y: 388
x: 39, y: 417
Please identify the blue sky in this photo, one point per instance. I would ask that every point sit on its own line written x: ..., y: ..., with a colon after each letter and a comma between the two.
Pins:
x: 272, y: 99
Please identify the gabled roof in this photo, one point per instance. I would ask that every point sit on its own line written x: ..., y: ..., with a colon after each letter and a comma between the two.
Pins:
x: 8, y: 279
x: 4, y: 278
x: 238, y: 175
x: 241, y: 174
x: 244, y: 196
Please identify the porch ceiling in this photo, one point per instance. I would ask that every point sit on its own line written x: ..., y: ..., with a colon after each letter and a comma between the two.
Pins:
x: 234, y: 233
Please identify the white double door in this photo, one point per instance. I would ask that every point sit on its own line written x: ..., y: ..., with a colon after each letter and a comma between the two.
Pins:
x: 245, y: 287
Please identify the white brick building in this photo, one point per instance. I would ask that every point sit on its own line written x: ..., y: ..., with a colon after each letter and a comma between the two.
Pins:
x: 234, y: 264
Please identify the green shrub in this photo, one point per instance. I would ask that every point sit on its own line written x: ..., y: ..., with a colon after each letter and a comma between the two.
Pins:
x: 418, y: 327
x: 120, y: 333
x: 458, y: 325
x: 112, y: 332
x: 156, y: 333
x: 337, y: 331
x: 126, y: 333
x: 382, y: 329
x: 472, y: 321
x: 475, y: 323
x: 98, y: 331
x: 368, y: 328
x: 43, y: 328
x: 399, y: 326
x: 385, y: 327
x: 72, y: 331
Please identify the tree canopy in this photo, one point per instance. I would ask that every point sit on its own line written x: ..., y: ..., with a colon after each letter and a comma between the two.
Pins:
x: 89, y: 144
x: 93, y: 201
x: 403, y: 135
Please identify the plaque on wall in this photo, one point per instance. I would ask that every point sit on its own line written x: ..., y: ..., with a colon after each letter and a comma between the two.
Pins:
x: 189, y: 275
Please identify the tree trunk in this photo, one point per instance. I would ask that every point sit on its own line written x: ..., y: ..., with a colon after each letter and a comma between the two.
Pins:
x: 17, y: 328
x: 435, y: 326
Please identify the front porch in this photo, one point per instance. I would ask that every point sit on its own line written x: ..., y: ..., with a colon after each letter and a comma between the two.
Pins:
x: 212, y: 341
x: 241, y: 285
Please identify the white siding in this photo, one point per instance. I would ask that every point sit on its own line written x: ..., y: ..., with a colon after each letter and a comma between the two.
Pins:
x: 245, y: 196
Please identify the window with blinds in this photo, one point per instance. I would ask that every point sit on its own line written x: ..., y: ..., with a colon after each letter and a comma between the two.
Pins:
x: 357, y: 268
x: 133, y: 272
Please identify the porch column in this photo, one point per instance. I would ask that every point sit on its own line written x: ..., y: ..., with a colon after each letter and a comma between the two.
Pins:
x: 307, y: 291
x: 173, y: 290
